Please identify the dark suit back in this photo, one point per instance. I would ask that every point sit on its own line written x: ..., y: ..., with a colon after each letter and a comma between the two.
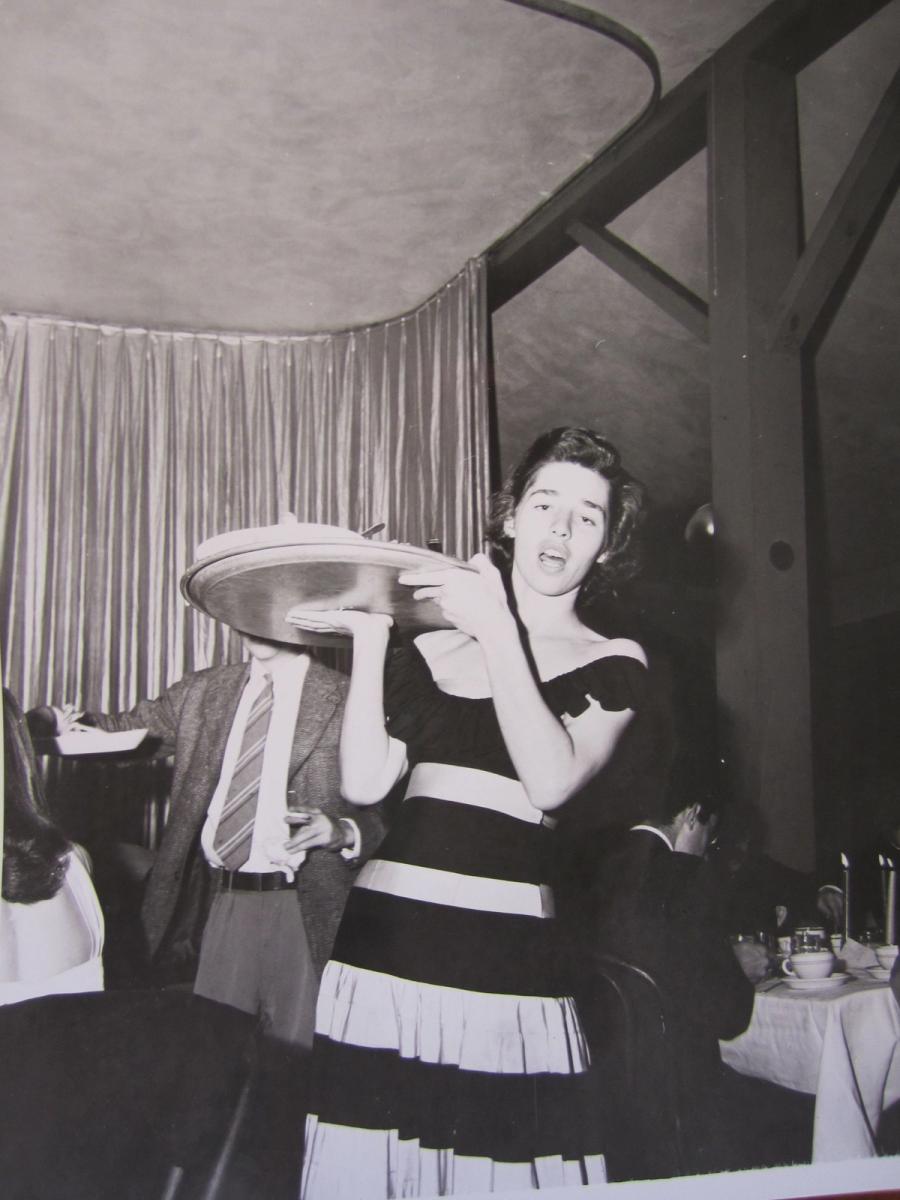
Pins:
x: 663, y: 911
x: 628, y: 895
x: 659, y: 909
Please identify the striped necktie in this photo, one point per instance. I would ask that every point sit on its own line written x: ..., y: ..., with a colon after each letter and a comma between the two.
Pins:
x: 235, y: 830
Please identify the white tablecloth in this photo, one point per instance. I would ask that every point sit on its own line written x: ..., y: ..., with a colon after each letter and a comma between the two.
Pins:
x: 842, y: 1045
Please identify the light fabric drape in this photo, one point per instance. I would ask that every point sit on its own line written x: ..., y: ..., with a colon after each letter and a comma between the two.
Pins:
x: 122, y: 449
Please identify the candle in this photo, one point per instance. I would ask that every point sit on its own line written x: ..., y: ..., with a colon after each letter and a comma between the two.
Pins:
x: 845, y: 873
x: 890, y: 904
x: 882, y: 866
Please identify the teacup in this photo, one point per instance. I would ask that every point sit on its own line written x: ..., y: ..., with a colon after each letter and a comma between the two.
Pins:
x: 809, y: 964
x: 886, y: 956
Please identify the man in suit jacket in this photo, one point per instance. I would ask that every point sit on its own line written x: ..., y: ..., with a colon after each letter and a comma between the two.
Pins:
x: 267, y: 929
x: 650, y: 898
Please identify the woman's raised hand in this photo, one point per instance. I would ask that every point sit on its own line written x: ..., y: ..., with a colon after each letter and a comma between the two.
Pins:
x: 474, y: 601
x: 348, y: 621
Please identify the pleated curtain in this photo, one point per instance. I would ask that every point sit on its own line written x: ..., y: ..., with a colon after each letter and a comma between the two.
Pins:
x: 122, y: 449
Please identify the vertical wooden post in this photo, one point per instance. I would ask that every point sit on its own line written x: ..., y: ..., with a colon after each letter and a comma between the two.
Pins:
x: 758, y: 454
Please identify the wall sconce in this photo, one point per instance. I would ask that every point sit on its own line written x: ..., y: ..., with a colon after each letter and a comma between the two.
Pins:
x: 701, y: 526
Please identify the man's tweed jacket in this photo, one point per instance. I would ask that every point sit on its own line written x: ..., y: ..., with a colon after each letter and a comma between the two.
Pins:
x: 192, y: 720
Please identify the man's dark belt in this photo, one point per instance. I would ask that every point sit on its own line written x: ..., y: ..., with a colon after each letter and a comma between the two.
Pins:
x: 249, y: 881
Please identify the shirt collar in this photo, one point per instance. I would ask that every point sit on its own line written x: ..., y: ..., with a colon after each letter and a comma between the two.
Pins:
x: 289, y: 669
x: 652, y: 829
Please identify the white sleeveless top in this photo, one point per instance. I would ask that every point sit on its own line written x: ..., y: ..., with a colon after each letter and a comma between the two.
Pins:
x: 86, y: 976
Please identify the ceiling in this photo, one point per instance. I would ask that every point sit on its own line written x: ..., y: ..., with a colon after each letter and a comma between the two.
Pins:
x: 303, y: 165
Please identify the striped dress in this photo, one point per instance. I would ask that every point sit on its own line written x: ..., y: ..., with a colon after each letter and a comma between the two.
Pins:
x: 447, y: 1059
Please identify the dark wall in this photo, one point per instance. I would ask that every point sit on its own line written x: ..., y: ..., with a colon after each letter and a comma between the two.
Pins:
x: 856, y: 694
x: 859, y: 745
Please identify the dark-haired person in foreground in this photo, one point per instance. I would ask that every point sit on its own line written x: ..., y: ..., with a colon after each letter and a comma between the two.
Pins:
x: 51, y: 926
x: 447, y: 1058
x: 650, y: 898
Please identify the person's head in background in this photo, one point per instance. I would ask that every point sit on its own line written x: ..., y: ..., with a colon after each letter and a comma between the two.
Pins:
x: 617, y: 559
x: 690, y: 811
x: 34, y: 849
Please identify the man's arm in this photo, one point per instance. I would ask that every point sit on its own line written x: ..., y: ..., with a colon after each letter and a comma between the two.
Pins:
x: 159, y: 717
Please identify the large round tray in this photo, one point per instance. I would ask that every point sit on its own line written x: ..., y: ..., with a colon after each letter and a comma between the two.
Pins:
x: 252, y: 589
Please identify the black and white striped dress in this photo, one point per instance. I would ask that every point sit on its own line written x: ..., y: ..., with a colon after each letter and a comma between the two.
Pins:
x: 446, y: 1059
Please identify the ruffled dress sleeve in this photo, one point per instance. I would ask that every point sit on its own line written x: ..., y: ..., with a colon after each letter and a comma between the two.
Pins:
x: 616, y: 682
x: 440, y: 727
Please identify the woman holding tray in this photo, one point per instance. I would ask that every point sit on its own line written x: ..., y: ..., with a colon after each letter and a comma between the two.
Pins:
x: 447, y: 1058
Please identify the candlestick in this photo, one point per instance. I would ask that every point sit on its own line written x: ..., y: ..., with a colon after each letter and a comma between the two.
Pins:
x: 845, y: 873
x: 890, y: 904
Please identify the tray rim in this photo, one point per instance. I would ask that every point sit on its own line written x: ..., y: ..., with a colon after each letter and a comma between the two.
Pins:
x: 439, y: 560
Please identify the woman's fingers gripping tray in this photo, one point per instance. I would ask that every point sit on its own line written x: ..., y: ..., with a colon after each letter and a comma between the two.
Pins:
x: 472, y: 600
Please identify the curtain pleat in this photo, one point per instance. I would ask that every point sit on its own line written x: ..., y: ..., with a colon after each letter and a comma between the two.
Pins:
x: 124, y: 448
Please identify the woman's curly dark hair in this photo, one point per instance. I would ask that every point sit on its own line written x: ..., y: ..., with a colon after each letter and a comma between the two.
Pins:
x: 34, y: 850
x: 569, y: 444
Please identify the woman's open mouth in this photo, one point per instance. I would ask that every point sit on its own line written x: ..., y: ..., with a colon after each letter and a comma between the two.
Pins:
x: 552, y: 559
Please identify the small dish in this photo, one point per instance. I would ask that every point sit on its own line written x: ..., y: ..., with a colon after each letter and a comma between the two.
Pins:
x: 836, y: 979
x: 96, y: 741
x: 859, y: 972
x: 880, y: 973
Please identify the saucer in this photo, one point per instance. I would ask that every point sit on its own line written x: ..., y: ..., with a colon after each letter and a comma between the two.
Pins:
x: 835, y: 979
x: 882, y: 973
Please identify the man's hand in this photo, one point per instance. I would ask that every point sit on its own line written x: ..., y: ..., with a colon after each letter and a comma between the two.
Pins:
x: 754, y: 960
x: 830, y: 903
x: 315, y: 830
x: 68, y: 718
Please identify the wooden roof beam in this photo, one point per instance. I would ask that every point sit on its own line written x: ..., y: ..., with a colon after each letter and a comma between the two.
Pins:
x: 789, y: 33
x: 850, y: 220
x: 650, y: 280
x: 807, y: 29
x: 604, y: 189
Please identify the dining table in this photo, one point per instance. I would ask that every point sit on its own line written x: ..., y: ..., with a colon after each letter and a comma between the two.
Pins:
x: 839, y: 1042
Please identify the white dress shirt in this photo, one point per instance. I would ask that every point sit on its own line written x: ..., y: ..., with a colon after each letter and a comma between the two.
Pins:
x: 652, y: 829
x: 270, y: 831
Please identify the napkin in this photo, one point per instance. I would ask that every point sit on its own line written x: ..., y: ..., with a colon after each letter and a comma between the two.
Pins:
x: 856, y: 956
